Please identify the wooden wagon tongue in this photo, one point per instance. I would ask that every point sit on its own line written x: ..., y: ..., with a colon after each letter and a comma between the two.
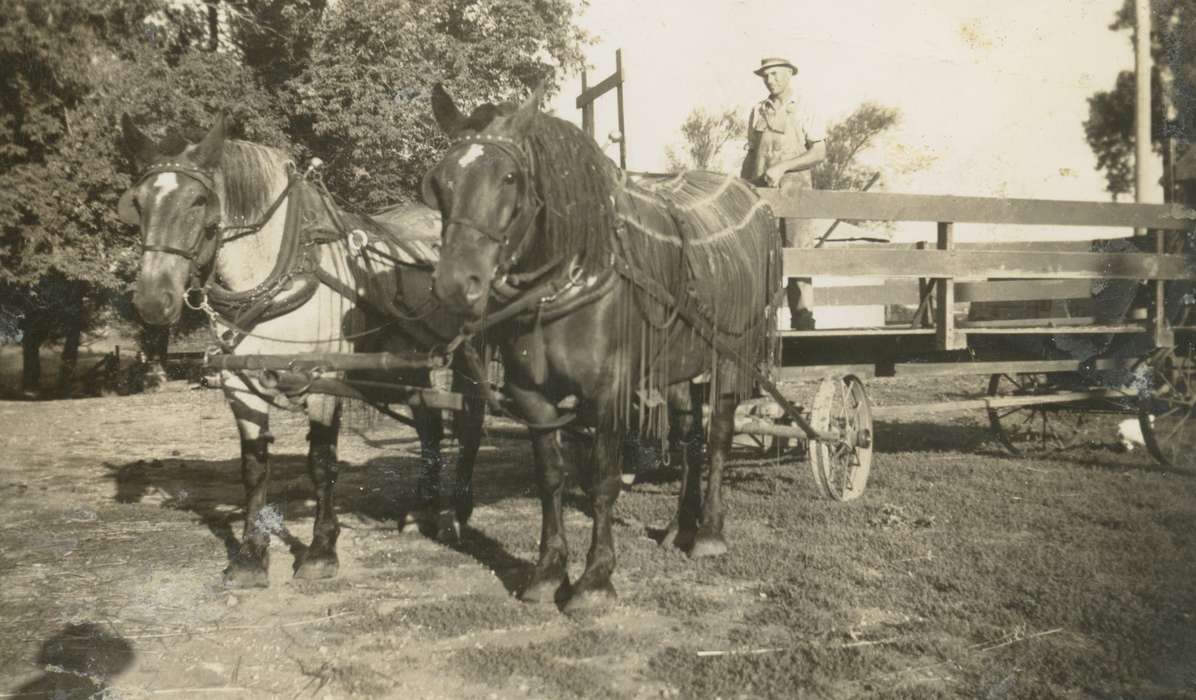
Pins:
x: 328, y: 361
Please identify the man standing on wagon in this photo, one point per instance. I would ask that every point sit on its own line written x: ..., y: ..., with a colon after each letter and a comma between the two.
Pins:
x: 786, y: 139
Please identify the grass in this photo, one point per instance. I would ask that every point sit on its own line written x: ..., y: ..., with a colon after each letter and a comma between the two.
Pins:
x: 959, y: 573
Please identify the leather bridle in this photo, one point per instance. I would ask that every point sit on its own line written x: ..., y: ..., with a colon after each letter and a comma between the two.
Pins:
x: 526, y: 211
x: 209, y: 237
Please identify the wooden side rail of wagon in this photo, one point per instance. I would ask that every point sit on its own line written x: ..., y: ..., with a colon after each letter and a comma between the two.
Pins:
x: 932, y: 280
x: 1051, y: 265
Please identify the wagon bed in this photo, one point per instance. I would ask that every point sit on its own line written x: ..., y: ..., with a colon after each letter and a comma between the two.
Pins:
x: 1036, y: 363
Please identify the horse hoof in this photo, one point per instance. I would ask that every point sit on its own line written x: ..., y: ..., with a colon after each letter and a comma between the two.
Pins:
x: 591, y: 598
x: 708, y: 546
x: 542, y: 593
x: 241, y: 575
x: 676, y: 537
x: 448, y: 531
x: 312, y: 568
x: 418, y: 523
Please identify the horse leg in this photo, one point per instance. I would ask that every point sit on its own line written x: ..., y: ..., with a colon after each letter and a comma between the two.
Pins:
x: 551, y: 572
x: 709, y: 541
x: 320, y: 560
x: 429, y: 425
x: 687, y: 410
x: 468, y: 428
x: 249, y: 567
x: 594, y: 587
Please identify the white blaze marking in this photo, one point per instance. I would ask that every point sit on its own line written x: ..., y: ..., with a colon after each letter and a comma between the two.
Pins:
x: 471, y: 154
x: 166, y: 183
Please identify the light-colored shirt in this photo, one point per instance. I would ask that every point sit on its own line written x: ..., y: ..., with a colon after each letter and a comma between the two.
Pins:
x: 780, y: 130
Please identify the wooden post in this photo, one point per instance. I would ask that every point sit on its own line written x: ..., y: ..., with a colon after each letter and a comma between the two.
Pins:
x: 619, y: 100
x: 1142, y: 72
x: 922, y: 314
x: 585, y: 102
x: 587, y: 109
x: 945, y: 335
x: 1163, y: 335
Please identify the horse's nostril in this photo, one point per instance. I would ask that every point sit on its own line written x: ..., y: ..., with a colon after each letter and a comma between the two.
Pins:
x: 168, y: 301
x: 473, y: 288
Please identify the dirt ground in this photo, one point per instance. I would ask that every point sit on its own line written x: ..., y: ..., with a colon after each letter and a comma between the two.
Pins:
x: 960, y: 573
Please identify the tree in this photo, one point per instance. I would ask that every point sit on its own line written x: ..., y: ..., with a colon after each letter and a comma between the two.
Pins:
x: 706, y: 134
x: 1109, y: 128
x: 848, y: 138
x: 361, y: 103
x: 345, y: 81
x: 63, y: 253
x: 59, y: 242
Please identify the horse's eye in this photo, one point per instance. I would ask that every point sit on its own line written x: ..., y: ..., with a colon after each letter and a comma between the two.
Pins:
x: 201, y: 200
x: 509, y: 179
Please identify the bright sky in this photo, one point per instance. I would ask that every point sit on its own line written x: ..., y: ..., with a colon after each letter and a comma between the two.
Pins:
x: 992, y: 95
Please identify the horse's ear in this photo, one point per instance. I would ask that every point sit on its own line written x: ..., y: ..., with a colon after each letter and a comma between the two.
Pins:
x: 137, y: 145
x: 207, y: 154
x: 445, y: 110
x: 522, y: 118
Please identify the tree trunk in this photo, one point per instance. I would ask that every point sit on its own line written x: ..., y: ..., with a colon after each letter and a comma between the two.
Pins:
x: 213, y: 25
x: 70, y: 354
x: 32, y: 338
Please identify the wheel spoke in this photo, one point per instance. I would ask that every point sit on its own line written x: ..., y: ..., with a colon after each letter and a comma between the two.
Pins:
x: 1179, y: 425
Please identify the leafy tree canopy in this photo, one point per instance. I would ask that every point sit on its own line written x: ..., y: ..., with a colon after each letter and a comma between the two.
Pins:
x: 705, y: 136
x: 1109, y: 128
x: 345, y: 81
x: 361, y: 103
x: 846, y: 139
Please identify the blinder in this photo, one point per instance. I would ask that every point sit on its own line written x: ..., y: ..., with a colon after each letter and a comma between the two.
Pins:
x: 212, y: 215
x: 526, y: 212
x: 129, y: 214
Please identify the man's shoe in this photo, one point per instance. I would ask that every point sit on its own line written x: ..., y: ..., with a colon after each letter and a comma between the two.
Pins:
x: 802, y: 321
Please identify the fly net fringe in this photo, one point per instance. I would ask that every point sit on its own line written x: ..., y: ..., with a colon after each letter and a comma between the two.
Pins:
x: 706, y: 238
x: 573, y: 180
x: 712, y: 243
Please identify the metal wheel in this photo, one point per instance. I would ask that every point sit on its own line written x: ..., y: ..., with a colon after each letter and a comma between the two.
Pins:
x: 1167, y: 413
x: 842, y: 468
x: 1022, y: 429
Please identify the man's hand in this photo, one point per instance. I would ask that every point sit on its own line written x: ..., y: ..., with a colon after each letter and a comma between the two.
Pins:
x: 773, y: 175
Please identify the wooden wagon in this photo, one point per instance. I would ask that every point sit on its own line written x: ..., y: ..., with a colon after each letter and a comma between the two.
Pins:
x: 1058, y: 353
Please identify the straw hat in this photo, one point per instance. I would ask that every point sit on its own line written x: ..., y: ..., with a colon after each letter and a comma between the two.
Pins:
x: 766, y: 63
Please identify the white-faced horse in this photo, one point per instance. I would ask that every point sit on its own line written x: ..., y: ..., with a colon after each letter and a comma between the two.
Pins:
x: 228, y: 225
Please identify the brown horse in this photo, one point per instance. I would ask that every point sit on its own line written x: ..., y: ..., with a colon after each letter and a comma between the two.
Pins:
x: 228, y: 226
x: 606, y: 291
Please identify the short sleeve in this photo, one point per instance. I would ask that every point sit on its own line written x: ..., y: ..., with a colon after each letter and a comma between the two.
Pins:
x: 813, y: 123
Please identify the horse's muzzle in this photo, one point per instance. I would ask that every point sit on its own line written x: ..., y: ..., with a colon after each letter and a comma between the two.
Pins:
x: 159, y: 309
x: 159, y: 292
x: 462, y: 290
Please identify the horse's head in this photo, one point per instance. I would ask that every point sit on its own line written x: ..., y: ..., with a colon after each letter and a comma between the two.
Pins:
x: 175, y: 201
x: 484, y: 190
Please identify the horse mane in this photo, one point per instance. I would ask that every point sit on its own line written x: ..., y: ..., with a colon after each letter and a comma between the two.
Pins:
x: 573, y: 179
x: 251, y: 172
